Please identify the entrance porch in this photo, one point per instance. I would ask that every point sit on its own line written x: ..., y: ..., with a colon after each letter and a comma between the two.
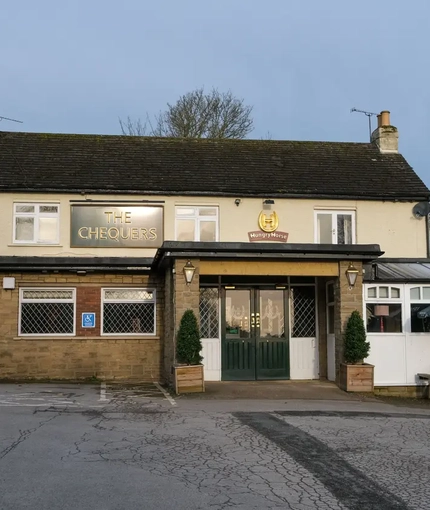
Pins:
x: 263, y: 328
x: 266, y: 312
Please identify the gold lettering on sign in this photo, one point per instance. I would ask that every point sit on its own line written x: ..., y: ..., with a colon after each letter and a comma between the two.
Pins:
x: 81, y: 233
x: 125, y: 233
x: 268, y: 223
x: 118, y: 217
x: 93, y: 232
x: 116, y: 225
x: 113, y: 233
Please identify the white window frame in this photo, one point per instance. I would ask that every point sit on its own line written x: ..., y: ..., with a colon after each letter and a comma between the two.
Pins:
x: 409, y: 301
x: 334, y: 214
x: 36, y: 215
x: 104, y: 300
x: 385, y: 300
x: 197, y: 219
x: 46, y: 300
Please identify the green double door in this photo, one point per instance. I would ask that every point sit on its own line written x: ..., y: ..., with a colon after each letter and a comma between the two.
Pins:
x: 255, y: 334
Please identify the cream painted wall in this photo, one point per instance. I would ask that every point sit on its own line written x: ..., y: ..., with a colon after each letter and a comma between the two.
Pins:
x: 389, y: 224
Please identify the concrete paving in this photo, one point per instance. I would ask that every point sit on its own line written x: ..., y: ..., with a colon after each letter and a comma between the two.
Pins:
x: 110, y: 448
x: 274, y: 390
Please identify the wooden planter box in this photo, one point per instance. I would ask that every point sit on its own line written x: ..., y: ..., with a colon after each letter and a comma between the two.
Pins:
x: 188, y: 379
x: 356, y: 377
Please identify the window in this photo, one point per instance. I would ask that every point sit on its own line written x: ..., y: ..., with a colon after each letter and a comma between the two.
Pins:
x: 335, y: 227
x: 303, y: 311
x: 197, y: 224
x: 209, y: 312
x: 47, y: 311
x: 383, y: 309
x: 420, y: 309
x: 128, y: 312
x: 36, y: 223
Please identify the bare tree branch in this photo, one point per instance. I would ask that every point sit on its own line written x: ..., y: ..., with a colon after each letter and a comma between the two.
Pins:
x: 197, y: 115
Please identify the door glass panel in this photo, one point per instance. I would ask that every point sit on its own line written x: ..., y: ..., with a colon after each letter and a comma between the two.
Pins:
x: 344, y: 229
x: 271, y: 314
x: 420, y: 318
x: 303, y: 319
x: 426, y: 292
x: 330, y: 293
x: 324, y: 229
x: 330, y: 320
x: 237, y: 314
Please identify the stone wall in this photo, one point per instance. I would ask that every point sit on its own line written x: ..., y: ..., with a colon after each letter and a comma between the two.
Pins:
x: 88, y: 354
x: 346, y: 301
x: 169, y: 325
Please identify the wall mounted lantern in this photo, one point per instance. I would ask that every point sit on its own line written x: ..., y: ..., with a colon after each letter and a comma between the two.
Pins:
x: 351, y: 275
x: 189, y: 271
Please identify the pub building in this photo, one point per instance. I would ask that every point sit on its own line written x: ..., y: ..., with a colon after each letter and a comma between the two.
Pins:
x: 107, y: 240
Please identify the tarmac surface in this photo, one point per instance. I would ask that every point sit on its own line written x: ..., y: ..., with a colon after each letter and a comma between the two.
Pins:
x: 73, y: 446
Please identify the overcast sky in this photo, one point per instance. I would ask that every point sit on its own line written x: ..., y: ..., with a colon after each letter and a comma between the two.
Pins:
x: 76, y: 66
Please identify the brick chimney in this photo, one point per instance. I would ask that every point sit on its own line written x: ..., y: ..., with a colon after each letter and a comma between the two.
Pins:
x: 385, y: 135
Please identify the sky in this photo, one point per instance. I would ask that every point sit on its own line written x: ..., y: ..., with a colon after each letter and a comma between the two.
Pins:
x: 77, y: 66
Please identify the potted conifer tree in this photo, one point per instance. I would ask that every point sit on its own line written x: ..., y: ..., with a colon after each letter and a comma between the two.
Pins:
x: 355, y: 375
x: 188, y: 372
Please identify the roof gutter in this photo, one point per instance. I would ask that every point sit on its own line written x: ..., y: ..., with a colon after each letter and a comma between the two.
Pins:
x: 310, y: 195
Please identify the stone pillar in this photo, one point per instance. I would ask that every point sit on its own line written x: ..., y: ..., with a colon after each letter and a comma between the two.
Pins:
x: 186, y: 296
x: 179, y: 297
x: 346, y: 301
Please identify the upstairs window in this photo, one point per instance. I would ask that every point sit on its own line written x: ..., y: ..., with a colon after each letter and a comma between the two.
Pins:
x: 36, y: 223
x: 197, y: 224
x: 335, y: 227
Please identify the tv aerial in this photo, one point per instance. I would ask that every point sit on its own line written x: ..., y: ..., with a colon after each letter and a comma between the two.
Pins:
x: 369, y: 115
x: 10, y: 120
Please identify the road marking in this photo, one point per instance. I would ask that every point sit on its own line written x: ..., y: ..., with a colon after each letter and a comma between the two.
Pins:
x: 103, y: 393
x: 166, y: 394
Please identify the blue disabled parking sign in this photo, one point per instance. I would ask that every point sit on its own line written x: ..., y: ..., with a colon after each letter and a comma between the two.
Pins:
x: 89, y: 320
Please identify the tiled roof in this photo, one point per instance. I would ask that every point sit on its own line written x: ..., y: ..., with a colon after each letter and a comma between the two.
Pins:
x: 143, y: 165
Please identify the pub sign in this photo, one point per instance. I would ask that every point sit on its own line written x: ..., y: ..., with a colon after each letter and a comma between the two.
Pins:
x: 118, y: 226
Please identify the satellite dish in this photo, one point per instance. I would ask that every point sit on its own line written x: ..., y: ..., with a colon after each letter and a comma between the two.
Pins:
x: 421, y: 209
